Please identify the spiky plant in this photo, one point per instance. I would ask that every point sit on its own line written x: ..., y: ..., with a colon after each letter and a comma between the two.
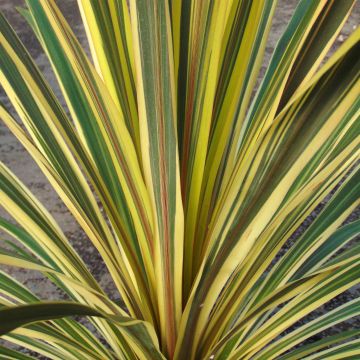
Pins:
x: 187, y: 184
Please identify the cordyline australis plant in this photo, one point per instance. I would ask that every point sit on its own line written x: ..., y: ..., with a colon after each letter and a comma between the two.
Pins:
x: 187, y: 185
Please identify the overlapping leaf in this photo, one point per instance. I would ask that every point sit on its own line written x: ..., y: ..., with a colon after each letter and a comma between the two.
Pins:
x: 187, y: 184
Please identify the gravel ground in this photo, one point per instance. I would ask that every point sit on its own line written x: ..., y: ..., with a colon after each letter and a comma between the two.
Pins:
x: 14, y: 155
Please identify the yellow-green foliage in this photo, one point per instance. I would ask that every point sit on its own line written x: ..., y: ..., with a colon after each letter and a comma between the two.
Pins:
x: 186, y: 184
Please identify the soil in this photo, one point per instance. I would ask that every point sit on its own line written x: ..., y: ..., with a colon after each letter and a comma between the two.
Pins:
x: 14, y: 155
